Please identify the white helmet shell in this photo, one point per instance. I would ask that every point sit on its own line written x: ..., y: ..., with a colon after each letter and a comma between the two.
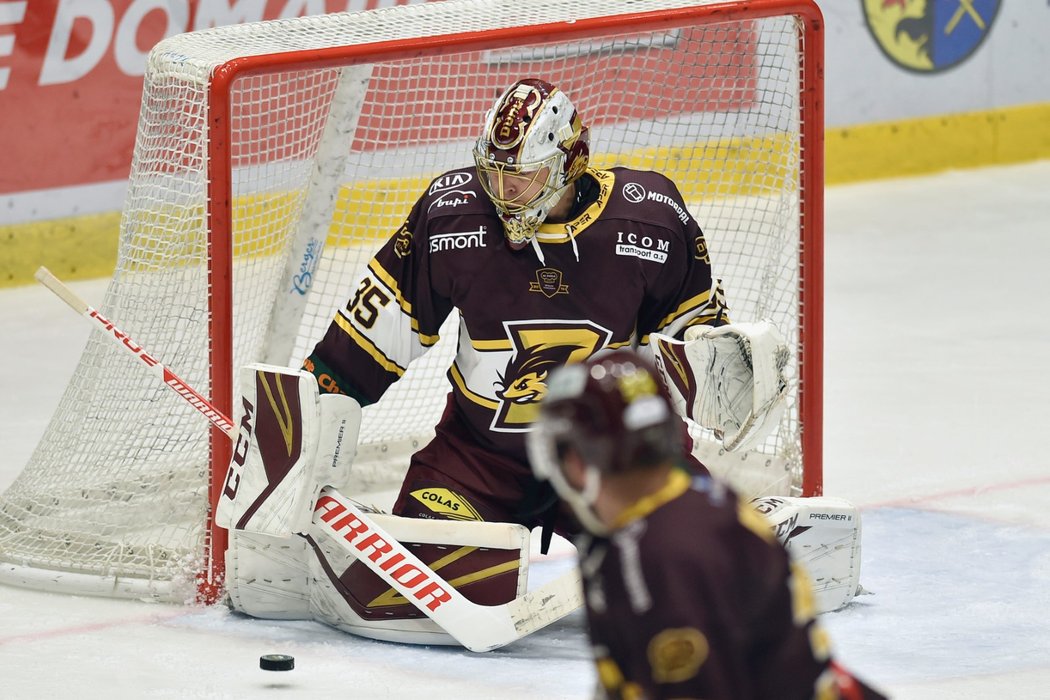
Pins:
x: 533, y: 146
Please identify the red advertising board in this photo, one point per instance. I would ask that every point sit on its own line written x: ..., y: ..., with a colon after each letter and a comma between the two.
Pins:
x: 71, y: 77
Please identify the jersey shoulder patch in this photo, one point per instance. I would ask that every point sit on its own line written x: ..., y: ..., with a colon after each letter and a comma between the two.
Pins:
x: 649, y: 197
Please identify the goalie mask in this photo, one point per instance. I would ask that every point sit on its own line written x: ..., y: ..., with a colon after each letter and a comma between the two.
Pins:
x: 615, y: 414
x: 533, y: 146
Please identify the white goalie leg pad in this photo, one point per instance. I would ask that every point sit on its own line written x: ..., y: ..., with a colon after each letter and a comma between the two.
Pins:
x: 268, y: 577
x: 729, y: 379
x: 292, y: 441
x: 823, y: 535
x: 329, y: 600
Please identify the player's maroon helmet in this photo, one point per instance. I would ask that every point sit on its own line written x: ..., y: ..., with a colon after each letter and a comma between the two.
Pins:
x: 614, y: 413
x: 532, y: 147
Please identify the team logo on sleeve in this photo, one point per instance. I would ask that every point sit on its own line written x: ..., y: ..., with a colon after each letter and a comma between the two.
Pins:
x: 539, y: 348
x: 702, y: 253
x: 403, y: 241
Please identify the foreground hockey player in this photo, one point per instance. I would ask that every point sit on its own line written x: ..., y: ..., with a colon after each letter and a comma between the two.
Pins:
x: 548, y: 261
x: 688, y: 594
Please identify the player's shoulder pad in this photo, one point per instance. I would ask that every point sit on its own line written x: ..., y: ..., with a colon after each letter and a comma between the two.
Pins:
x: 647, y: 196
x: 454, y: 193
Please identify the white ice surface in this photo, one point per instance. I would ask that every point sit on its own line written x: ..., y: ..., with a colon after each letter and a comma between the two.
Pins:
x: 937, y: 407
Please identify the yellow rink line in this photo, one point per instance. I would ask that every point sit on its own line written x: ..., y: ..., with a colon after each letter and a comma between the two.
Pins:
x: 84, y: 247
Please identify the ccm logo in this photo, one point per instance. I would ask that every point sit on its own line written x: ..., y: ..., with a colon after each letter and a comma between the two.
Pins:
x: 240, y: 452
x: 419, y: 583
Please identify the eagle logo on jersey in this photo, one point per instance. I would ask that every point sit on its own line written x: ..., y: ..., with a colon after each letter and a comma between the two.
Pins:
x: 528, y: 372
x: 539, y: 347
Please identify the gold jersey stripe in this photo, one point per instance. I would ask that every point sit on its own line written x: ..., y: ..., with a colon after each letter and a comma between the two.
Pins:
x: 457, y: 377
x: 697, y: 302
x: 391, y: 284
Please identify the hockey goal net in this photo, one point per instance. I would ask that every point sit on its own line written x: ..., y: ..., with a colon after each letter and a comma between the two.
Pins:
x: 272, y: 159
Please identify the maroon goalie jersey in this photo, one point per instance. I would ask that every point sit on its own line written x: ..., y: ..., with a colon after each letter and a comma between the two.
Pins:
x: 632, y: 261
x: 694, y: 598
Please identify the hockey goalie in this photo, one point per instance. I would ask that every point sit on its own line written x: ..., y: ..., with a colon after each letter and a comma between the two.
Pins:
x: 547, y: 261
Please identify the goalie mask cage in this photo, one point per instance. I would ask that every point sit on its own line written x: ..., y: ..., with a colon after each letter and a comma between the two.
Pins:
x: 272, y: 159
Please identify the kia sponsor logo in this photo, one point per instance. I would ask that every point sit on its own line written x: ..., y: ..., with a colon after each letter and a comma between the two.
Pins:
x: 450, y: 180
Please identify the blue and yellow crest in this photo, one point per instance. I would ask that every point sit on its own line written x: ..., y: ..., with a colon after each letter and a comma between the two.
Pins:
x: 929, y: 36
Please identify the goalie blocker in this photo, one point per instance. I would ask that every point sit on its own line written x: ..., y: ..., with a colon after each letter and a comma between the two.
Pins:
x: 300, y: 551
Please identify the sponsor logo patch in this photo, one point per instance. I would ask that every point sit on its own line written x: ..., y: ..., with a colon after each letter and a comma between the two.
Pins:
x: 644, y: 247
x: 447, y: 182
x: 683, y: 215
x: 458, y: 240
x: 452, y: 198
x: 633, y: 192
x: 446, y: 504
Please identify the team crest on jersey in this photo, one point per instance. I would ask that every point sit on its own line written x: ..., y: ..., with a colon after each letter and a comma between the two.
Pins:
x: 548, y: 283
x: 539, y: 348
x: 403, y: 241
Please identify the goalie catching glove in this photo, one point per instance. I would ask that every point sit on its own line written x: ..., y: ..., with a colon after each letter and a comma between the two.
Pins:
x: 729, y: 379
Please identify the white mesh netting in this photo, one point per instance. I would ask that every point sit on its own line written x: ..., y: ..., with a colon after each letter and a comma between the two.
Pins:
x: 324, y: 163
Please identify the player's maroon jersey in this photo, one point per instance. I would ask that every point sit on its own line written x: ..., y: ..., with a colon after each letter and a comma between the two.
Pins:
x: 631, y: 263
x: 693, y: 598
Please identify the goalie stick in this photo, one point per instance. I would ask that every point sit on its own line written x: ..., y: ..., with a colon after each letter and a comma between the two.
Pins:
x: 477, y: 627
x: 122, y: 339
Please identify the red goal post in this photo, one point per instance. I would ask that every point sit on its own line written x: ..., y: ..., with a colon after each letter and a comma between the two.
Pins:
x: 272, y: 159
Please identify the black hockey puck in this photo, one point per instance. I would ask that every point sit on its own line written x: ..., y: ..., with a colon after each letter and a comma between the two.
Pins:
x: 276, y: 662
